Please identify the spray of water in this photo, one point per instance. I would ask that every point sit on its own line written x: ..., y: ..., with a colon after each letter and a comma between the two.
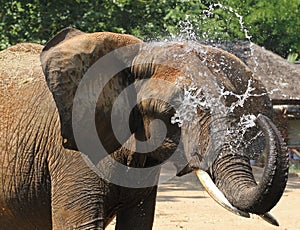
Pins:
x: 210, y: 13
x: 195, y: 97
x: 187, y: 30
x: 212, y: 7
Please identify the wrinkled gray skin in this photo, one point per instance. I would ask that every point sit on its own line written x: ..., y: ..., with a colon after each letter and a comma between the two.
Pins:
x: 225, y: 156
x: 43, y: 185
x: 55, y: 186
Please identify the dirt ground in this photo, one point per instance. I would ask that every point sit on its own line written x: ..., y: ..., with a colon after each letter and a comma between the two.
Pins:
x: 183, y: 204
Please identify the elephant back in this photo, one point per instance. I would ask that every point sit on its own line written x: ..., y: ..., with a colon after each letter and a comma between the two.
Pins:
x: 26, y: 104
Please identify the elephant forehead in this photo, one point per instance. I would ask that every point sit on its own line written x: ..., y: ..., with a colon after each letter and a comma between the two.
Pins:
x: 169, y: 61
x: 173, y: 54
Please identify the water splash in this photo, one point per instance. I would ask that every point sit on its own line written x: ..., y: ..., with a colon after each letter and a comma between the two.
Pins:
x: 247, y: 121
x: 241, y: 98
x: 209, y: 13
x: 196, y: 96
x: 186, y: 30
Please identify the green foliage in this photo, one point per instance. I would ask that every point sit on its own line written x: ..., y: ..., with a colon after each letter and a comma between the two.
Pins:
x: 274, y: 24
x: 292, y: 57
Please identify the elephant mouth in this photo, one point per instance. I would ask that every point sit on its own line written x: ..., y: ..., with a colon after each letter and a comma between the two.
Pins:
x: 231, y: 182
x: 219, y: 197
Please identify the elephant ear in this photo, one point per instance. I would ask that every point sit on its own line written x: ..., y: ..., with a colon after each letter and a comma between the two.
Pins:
x: 65, y: 60
x: 64, y: 34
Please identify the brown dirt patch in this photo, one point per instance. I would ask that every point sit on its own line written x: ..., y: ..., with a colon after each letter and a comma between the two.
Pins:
x: 183, y: 204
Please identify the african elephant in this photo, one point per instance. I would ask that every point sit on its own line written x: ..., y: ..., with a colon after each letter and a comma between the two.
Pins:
x: 230, y: 119
x: 45, y: 173
x: 44, y: 185
x: 225, y: 91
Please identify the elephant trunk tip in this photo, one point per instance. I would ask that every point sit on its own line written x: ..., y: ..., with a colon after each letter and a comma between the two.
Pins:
x: 233, y: 174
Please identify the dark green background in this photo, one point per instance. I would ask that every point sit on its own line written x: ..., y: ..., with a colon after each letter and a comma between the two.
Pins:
x: 274, y: 24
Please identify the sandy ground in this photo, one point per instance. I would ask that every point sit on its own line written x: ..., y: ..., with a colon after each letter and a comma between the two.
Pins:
x: 183, y: 204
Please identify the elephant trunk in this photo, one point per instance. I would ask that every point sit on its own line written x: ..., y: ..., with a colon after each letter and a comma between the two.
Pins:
x: 233, y: 175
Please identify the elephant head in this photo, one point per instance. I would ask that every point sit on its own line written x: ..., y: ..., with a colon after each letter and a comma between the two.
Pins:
x: 214, y: 109
x: 231, y: 120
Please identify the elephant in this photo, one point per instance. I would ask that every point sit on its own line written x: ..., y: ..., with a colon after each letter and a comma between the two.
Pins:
x: 226, y: 94
x: 228, y: 152
x: 48, y: 172
x: 44, y: 185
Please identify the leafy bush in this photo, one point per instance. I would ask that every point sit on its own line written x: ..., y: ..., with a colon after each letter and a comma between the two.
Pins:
x: 274, y: 24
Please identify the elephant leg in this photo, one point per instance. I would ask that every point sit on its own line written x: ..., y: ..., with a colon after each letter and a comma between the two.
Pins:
x: 77, y: 194
x: 139, y: 216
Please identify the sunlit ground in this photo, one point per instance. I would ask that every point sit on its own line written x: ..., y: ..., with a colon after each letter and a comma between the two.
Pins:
x: 183, y: 204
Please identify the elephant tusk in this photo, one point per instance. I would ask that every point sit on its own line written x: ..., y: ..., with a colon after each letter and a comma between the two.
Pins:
x: 269, y: 218
x: 219, y: 197
x: 216, y: 194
